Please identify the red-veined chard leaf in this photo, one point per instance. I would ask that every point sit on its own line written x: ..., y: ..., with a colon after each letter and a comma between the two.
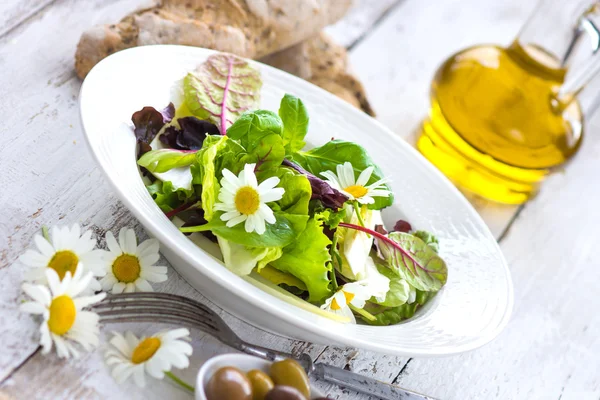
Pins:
x: 147, y: 123
x: 410, y: 257
x: 221, y: 89
x: 321, y: 190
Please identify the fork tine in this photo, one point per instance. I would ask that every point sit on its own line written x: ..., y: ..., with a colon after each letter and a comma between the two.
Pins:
x: 128, y: 304
x: 159, y: 312
x: 159, y: 319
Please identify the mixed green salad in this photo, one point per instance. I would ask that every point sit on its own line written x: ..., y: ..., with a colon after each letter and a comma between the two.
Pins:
x: 302, y: 224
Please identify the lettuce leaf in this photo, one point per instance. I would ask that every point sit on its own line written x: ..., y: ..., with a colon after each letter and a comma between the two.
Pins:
x: 295, y: 123
x: 221, y: 89
x: 335, y: 152
x: 241, y: 259
x: 167, y: 197
x: 165, y: 159
x: 307, y: 259
x: 147, y: 123
x: 281, y: 278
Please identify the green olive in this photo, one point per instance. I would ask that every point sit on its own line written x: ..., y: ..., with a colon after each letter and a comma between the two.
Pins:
x: 228, y: 383
x: 281, y: 392
x: 261, y: 384
x: 289, y: 373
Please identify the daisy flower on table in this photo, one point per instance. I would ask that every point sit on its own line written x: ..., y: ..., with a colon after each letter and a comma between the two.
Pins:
x: 154, y: 355
x: 65, y: 323
x: 243, y: 199
x: 65, y: 250
x: 356, y: 189
x: 129, y: 267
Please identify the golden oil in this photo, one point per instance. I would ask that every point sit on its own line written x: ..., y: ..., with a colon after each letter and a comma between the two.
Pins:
x: 495, y: 126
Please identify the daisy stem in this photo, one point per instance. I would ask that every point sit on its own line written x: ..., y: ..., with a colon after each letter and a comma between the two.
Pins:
x: 45, y: 232
x: 367, y: 315
x: 358, y: 215
x: 179, y: 381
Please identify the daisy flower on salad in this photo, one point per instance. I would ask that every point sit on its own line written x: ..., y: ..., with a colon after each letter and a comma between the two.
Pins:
x: 64, y: 323
x: 243, y: 200
x: 356, y: 189
x: 64, y: 250
x: 154, y: 355
x: 357, y: 293
x: 129, y: 266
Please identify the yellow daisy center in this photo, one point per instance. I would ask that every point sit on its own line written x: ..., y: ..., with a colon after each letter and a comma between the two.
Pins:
x: 247, y: 200
x: 145, y: 350
x: 334, y: 304
x: 357, y: 191
x: 126, y: 268
x: 64, y: 261
x: 62, y: 315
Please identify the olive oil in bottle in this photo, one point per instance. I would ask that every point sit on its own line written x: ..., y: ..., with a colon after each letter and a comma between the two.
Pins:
x: 496, y: 126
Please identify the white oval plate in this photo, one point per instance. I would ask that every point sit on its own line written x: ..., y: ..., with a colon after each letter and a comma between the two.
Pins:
x: 470, y: 311
x: 243, y: 362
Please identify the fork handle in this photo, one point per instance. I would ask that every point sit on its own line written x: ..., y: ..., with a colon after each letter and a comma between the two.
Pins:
x: 363, y: 384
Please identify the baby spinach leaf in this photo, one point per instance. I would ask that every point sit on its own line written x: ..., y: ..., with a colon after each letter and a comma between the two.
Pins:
x: 165, y: 159
x: 295, y: 123
x: 335, y: 152
x: 399, y: 289
x: 306, y: 258
x: 279, y: 234
x: 259, y: 132
x: 221, y: 89
x: 417, y: 262
x: 392, y: 315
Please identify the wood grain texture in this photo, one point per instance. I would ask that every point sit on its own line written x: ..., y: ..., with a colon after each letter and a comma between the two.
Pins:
x: 15, y: 12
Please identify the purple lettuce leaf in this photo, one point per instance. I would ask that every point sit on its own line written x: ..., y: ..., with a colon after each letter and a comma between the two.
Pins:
x: 321, y: 190
x: 147, y: 123
x: 191, y: 135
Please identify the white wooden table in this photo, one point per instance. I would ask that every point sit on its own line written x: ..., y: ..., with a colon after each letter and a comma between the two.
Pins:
x: 551, y: 347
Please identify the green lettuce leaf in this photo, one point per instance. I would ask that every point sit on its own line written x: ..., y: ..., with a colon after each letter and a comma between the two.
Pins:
x: 167, y: 197
x: 422, y: 268
x: 335, y: 152
x: 295, y: 123
x: 217, y: 152
x: 307, y: 259
x: 281, y: 278
x: 165, y: 159
x: 429, y: 239
x: 260, y: 134
x: 241, y: 259
x: 297, y: 194
x: 221, y: 89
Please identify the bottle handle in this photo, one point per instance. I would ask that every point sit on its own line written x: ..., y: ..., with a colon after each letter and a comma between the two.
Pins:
x: 588, y: 26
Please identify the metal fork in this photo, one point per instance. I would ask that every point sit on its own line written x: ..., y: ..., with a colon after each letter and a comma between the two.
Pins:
x: 165, y: 307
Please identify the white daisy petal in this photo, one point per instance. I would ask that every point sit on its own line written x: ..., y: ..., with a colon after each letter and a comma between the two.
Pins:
x: 267, y: 214
x: 143, y: 285
x: 34, y: 259
x: 250, y: 176
x: 149, y: 259
x: 249, y: 226
x: 118, y: 287
x: 268, y: 184
x: 129, y: 288
x: 364, y: 176
x: 43, y: 245
x: 272, y: 195
x: 31, y: 307
x: 148, y: 246
x: 130, y: 242
x: 38, y: 293
x: 259, y: 224
x: 111, y: 242
x: 236, y: 220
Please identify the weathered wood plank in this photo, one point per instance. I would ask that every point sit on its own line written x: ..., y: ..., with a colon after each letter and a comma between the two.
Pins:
x: 13, y: 13
x: 549, y: 349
